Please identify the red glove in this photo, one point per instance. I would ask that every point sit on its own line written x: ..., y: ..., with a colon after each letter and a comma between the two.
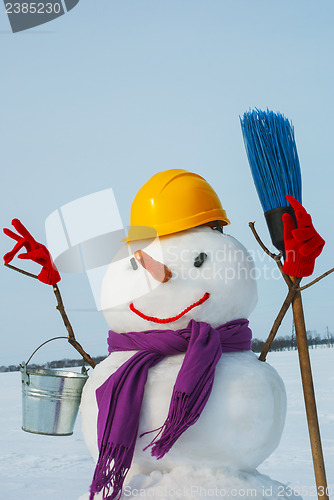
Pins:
x: 35, y: 251
x: 302, y: 243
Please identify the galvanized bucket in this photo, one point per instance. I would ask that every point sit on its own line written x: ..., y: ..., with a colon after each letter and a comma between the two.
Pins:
x: 50, y: 400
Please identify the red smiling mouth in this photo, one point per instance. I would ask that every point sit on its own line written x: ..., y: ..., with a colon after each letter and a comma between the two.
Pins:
x: 174, y: 318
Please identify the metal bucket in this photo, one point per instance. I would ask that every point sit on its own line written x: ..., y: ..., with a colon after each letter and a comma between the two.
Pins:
x: 50, y: 400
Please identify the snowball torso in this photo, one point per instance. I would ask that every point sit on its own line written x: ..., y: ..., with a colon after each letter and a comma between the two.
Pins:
x: 244, y: 417
x: 240, y: 426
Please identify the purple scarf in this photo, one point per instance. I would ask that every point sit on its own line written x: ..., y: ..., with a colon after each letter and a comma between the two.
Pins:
x: 120, y: 397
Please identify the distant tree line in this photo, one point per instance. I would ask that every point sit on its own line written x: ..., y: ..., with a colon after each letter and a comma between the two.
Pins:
x: 289, y: 343
x: 286, y: 343
x: 62, y: 363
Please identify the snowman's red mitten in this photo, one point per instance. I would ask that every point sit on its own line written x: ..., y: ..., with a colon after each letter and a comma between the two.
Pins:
x: 35, y: 252
x: 302, y: 243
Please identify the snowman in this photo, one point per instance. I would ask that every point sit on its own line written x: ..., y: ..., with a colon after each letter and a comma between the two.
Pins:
x: 181, y: 408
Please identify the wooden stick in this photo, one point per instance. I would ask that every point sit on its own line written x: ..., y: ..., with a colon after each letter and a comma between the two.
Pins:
x: 288, y: 300
x: 309, y: 397
x: 317, y: 279
x: 71, y: 337
x: 21, y: 271
x: 278, y: 320
x: 60, y: 306
x: 294, y: 295
x: 274, y: 256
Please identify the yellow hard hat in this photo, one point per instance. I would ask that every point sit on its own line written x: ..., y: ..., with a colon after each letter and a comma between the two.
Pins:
x: 175, y: 200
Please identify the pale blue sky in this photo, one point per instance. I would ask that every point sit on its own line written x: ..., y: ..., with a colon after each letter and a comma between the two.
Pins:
x: 115, y: 91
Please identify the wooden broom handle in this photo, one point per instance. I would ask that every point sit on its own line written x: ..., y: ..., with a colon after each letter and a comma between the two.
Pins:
x: 309, y: 397
x: 304, y: 361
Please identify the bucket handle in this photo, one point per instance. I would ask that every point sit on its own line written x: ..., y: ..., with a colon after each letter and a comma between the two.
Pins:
x: 84, y: 370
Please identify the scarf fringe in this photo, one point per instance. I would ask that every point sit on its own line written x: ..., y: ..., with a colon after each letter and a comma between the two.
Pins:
x: 110, y: 472
x: 178, y: 421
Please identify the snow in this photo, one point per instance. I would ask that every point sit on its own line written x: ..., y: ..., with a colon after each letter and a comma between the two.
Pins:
x: 33, y: 466
x: 243, y: 420
x: 292, y: 461
x: 247, y: 398
x: 241, y: 424
x: 37, y: 467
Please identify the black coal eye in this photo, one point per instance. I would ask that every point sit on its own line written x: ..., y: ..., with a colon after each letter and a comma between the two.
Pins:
x: 134, y: 263
x: 200, y: 259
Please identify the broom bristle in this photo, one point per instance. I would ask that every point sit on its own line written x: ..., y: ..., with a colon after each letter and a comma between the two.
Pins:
x: 272, y: 154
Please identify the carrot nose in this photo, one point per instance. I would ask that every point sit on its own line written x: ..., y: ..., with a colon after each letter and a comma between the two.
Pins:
x: 158, y: 271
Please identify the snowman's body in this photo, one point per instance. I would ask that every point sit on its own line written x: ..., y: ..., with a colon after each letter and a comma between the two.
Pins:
x: 243, y: 419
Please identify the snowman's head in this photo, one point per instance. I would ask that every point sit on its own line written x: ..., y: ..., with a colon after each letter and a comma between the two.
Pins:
x: 199, y: 274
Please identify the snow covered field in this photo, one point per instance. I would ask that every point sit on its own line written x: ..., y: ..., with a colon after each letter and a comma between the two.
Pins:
x: 34, y: 467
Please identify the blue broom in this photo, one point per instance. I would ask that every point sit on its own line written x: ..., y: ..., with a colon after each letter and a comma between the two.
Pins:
x: 273, y: 159
x: 272, y: 154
